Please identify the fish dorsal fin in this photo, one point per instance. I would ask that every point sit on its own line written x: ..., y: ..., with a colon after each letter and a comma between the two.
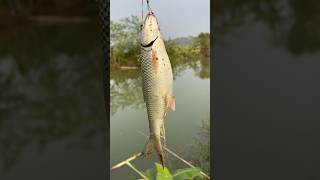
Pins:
x: 172, y: 103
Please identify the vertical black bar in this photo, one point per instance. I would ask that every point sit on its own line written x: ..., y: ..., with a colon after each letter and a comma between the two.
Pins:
x: 105, y: 35
x: 212, y: 114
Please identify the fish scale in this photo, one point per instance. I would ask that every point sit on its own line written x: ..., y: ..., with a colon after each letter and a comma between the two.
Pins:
x: 148, y: 82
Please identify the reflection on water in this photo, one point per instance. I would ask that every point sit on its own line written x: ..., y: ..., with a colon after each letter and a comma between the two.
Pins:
x: 124, y: 89
x: 293, y: 24
x: 266, y: 89
x: 51, y: 95
x: 192, y: 92
x: 200, y: 151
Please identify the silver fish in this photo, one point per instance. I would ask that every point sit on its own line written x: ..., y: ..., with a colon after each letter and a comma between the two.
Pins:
x: 157, y: 83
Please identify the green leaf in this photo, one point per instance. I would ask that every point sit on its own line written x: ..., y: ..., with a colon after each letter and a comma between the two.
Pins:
x: 188, y: 173
x: 151, y: 173
x: 163, y: 173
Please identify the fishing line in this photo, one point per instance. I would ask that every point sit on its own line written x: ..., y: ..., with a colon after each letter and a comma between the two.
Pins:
x: 142, y: 11
x: 149, y: 8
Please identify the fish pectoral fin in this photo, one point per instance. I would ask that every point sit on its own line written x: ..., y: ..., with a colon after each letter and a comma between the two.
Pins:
x: 172, y: 104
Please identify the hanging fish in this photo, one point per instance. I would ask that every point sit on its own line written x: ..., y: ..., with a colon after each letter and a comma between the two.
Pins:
x: 157, y: 83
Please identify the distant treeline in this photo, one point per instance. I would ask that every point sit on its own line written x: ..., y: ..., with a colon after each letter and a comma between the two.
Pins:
x: 125, y: 44
x: 49, y: 7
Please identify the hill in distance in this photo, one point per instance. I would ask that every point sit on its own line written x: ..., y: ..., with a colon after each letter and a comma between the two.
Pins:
x: 183, y: 41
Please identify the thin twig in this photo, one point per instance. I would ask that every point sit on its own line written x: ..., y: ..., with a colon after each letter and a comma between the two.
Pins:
x: 186, y: 162
x: 136, y: 170
x: 135, y: 156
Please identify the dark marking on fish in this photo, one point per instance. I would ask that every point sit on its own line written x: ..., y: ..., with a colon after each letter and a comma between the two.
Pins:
x: 150, y: 44
x: 155, y: 64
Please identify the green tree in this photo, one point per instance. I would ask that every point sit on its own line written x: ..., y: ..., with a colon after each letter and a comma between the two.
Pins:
x: 124, y: 36
x: 202, y: 41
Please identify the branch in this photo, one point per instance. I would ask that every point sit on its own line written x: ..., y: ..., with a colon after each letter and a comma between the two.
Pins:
x: 122, y: 163
x: 137, y: 171
x: 127, y: 162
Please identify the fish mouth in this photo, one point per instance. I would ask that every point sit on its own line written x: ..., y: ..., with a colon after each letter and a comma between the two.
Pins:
x: 150, y: 14
x: 150, y: 44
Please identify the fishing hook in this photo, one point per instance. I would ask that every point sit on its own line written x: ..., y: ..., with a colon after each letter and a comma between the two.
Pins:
x: 149, y: 11
x: 149, y: 8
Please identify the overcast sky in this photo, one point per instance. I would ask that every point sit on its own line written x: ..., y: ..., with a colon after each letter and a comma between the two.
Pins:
x: 177, y: 18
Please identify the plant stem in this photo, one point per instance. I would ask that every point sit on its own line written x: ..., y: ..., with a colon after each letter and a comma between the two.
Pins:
x: 135, y: 156
x: 186, y: 162
x: 137, y: 171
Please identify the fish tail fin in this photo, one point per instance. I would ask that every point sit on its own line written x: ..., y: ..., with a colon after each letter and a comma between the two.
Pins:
x: 149, y: 147
x: 159, y: 149
x: 155, y: 142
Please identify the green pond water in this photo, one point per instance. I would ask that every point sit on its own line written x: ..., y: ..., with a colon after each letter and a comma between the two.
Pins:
x: 129, y: 116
